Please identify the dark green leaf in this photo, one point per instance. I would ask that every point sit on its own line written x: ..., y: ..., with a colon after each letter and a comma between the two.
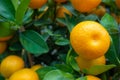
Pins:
x: 2, y: 78
x: 64, y: 68
x: 20, y: 12
x: 33, y: 42
x: 7, y: 10
x: 114, y: 59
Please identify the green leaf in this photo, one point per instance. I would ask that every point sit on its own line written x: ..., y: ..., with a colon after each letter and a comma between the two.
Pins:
x: 27, y: 17
x: 64, y: 68
x: 73, y: 63
x: 20, y: 12
x: 62, y: 41
x: 2, y: 78
x: 70, y: 53
x: 109, y: 23
x: 98, y: 69
x: 58, y: 75
x: 33, y: 42
x: 7, y: 10
x: 15, y: 3
x: 114, y: 59
x: 43, y: 71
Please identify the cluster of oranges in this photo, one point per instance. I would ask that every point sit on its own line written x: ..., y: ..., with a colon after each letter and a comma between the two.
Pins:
x: 91, y: 41
x: 13, y: 68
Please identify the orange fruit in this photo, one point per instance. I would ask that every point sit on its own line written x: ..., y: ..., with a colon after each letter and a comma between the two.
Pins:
x: 117, y: 3
x: 100, y: 11
x: 86, y: 64
x: 3, y: 46
x: 11, y: 64
x: 6, y: 38
x: 60, y: 1
x: 24, y: 74
x: 36, y: 67
x: 85, y: 5
x: 90, y: 39
x: 61, y: 11
x: 35, y: 4
x: 90, y: 77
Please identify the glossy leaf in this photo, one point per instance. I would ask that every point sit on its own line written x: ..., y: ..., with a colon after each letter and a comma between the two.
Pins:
x: 33, y: 42
x: 74, y: 64
x: 58, y: 75
x: 7, y: 10
x: 109, y: 23
x: 43, y: 71
x: 98, y: 69
x: 20, y: 12
x: 62, y: 41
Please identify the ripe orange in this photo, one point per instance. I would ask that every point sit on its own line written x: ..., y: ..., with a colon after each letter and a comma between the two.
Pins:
x: 35, y: 4
x: 90, y: 77
x: 86, y: 64
x: 24, y: 74
x: 36, y: 67
x: 117, y: 3
x: 85, y: 5
x: 11, y: 64
x: 100, y: 11
x: 61, y: 11
x: 60, y: 1
x: 3, y: 46
x: 90, y: 39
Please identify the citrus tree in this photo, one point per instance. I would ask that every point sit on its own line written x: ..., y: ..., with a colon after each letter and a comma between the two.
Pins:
x: 59, y: 39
